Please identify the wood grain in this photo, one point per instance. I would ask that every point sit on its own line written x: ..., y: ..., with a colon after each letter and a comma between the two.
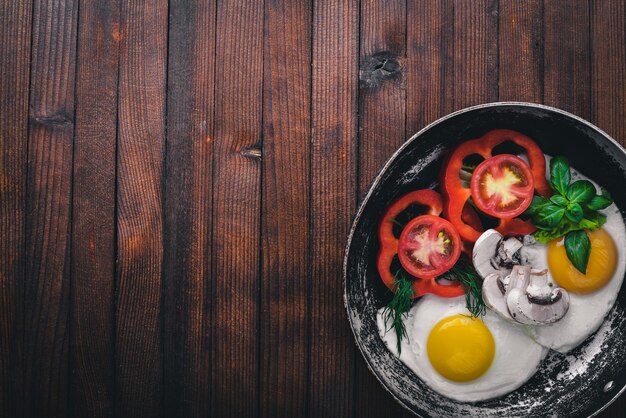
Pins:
x: 608, y: 68
x: 188, y: 209
x: 49, y: 186
x: 520, y: 51
x: 381, y: 130
x: 236, y: 209
x: 608, y: 91
x: 15, y: 41
x: 429, y: 69
x: 141, y: 137
x: 566, y: 56
x: 92, y: 319
x: 285, y: 228
x: 333, y: 202
x: 475, y: 52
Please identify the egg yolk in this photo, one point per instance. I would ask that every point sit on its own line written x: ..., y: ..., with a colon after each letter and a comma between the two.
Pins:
x: 602, y: 264
x: 461, y: 348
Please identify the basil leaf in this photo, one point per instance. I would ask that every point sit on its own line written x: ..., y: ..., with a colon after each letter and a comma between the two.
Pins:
x: 551, y: 215
x: 600, y: 202
x: 537, y: 203
x: 592, y: 221
x: 559, y: 200
x: 581, y: 191
x: 546, y: 235
x: 560, y: 175
x: 578, y: 248
x: 574, y: 212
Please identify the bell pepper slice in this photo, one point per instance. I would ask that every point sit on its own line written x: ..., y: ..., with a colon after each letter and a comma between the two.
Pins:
x: 456, y: 195
x: 389, y: 244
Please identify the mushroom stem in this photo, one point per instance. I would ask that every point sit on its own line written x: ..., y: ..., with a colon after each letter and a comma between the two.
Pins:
x: 531, y: 300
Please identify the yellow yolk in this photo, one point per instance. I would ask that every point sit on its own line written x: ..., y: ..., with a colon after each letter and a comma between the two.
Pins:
x: 602, y: 264
x: 461, y: 348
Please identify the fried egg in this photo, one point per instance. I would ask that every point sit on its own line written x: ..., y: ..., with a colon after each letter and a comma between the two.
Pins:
x: 463, y: 358
x: 592, y: 295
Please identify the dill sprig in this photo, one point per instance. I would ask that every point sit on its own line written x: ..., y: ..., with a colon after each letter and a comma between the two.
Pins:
x: 397, y: 309
x: 472, y: 285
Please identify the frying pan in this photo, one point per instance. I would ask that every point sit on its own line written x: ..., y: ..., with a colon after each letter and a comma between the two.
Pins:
x: 580, y: 383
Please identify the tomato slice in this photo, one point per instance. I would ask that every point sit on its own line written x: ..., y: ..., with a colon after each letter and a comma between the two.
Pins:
x: 502, y: 186
x: 428, y: 246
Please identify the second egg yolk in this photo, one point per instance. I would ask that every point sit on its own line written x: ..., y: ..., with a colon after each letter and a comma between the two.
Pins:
x: 602, y: 264
x: 461, y: 348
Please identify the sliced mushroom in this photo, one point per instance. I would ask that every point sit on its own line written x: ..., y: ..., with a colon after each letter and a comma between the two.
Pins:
x: 485, y: 249
x: 494, y: 295
x: 531, y: 300
x: 507, y: 252
x: 492, y: 253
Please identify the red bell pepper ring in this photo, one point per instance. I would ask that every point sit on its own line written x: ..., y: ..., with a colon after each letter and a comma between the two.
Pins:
x: 389, y: 244
x: 457, y: 196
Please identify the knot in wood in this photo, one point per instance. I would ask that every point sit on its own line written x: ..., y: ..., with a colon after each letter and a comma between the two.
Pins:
x: 379, y: 67
x: 55, y: 119
x: 254, y: 152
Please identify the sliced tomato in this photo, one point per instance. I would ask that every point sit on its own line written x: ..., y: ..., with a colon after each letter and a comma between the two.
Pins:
x: 502, y: 186
x: 456, y: 194
x: 428, y: 246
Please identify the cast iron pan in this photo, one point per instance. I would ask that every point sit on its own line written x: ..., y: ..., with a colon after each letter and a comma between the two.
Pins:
x: 581, y: 383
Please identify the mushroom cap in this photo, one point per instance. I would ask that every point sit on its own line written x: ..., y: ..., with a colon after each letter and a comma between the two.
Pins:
x: 494, y: 295
x: 485, y: 249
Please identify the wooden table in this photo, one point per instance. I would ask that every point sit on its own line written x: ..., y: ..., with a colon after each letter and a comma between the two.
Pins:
x: 178, y: 180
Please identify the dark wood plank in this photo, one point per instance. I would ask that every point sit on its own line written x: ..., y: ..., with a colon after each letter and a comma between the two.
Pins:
x: 333, y: 190
x: 49, y: 187
x: 475, y: 52
x: 92, y: 320
x: 429, y: 67
x: 608, y: 94
x: 608, y: 68
x: 521, y: 50
x: 15, y: 38
x: 381, y: 131
x: 141, y: 137
x: 566, y: 56
x: 236, y: 209
x: 286, y: 200
x: 188, y: 209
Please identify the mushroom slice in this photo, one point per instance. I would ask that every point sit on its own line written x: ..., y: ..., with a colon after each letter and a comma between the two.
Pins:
x: 485, y: 251
x: 492, y: 253
x: 494, y: 295
x: 507, y: 250
x: 531, y: 300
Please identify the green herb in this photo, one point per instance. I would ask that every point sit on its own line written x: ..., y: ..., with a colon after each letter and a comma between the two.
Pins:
x: 472, y: 283
x: 574, y: 212
x: 560, y: 175
x: 395, y: 312
x: 578, y: 248
x: 600, y: 202
x: 571, y: 210
x: 394, y: 221
x: 581, y: 191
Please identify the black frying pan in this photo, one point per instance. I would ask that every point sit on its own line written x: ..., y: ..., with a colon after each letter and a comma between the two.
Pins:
x: 599, y: 379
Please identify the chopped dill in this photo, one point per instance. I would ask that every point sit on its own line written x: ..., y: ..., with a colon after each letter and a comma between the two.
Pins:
x: 394, y: 221
x: 397, y: 309
x: 472, y: 285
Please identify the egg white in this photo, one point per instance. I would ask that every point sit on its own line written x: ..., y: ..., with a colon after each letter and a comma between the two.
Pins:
x: 516, y: 357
